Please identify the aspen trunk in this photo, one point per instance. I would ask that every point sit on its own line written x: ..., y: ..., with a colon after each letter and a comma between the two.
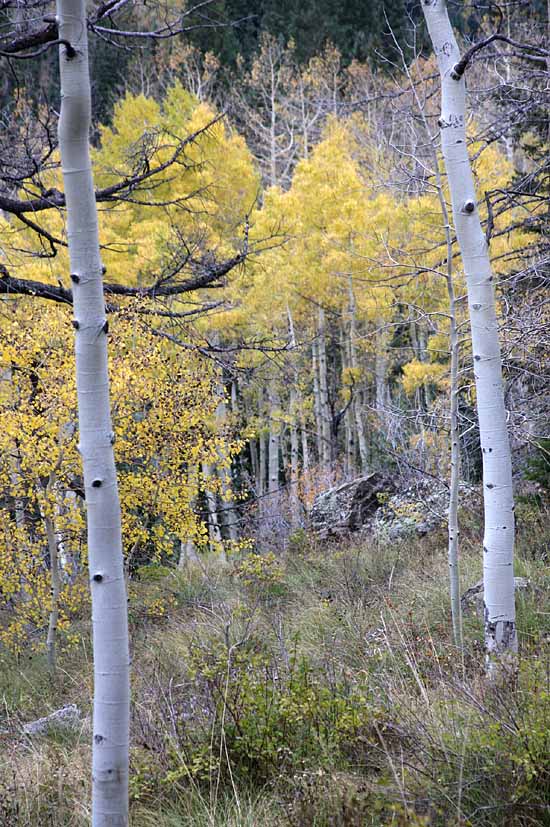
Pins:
x: 188, y: 550
x: 349, y: 448
x: 273, y: 449
x: 294, y: 456
x: 188, y: 554
x: 324, y: 408
x: 55, y: 580
x: 109, y: 602
x: 254, y: 465
x: 304, y: 439
x: 262, y: 466
x: 214, y: 530
x: 498, y: 544
x: 229, y: 515
x: 359, y: 427
x: 295, y: 407
x: 317, y: 402
x: 454, y: 481
x: 381, y: 371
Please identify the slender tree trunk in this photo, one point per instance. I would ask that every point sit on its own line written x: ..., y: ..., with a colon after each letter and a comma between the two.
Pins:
x: 381, y: 371
x: 214, y: 530
x: 188, y: 554
x: 357, y: 412
x: 498, y: 545
x: 326, y: 431
x: 317, y: 401
x: 229, y: 517
x: 349, y: 448
x: 294, y: 459
x: 304, y: 439
x: 188, y: 551
x: 254, y: 465
x: 262, y: 466
x: 109, y: 602
x: 273, y: 449
x: 454, y: 481
x: 295, y: 505
x: 55, y: 580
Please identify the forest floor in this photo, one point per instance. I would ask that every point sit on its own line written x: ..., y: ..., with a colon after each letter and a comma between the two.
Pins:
x: 318, y: 687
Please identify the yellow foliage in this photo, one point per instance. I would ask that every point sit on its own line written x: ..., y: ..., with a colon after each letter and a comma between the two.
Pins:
x: 420, y: 374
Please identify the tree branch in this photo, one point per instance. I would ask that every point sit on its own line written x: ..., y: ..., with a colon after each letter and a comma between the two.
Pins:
x: 460, y: 67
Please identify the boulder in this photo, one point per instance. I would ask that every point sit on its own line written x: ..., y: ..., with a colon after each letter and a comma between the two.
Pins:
x: 419, y: 509
x: 350, y: 506
x: 67, y: 718
x: 371, y: 504
x: 472, y: 599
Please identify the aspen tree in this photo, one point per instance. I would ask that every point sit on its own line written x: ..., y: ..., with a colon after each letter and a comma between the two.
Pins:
x: 357, y: 412
x: 55, y: 578
x: 498, y: 543
x: 326, y: 443
x: 294, y: 416
x: 109, y: 601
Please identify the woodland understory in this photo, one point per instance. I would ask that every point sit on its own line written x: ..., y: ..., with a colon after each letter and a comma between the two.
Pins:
x: 286, y: 309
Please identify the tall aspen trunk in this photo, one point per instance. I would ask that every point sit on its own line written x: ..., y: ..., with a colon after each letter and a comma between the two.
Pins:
x: 254, y: 465
x: 454, y: 481
x: 14, y: 455
x: 295, y: 507
x: 326, y: 430
x: 262, y: 466
x: 304, y: 440
x: 65, y: 503
x: 188, y: 550
x: 349, y: 448
x: 273, y: 450
x: 317, y: 401
x: 381, y: 371
x: 188, y: 554
x: 229, y: 517
x: 498, y: 544
x: 55, y: 580
x: 357, y: 412
x: 294, y: 459
x: 109, y: 601
x: 214, y: 529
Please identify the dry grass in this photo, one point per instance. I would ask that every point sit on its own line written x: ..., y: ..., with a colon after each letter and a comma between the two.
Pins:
x: 318, y: 689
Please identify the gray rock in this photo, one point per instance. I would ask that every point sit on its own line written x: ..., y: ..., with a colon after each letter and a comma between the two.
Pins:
x: 349, y: 507
x: 472, y: 599
x: 419, y: 509
x: 67, y: 718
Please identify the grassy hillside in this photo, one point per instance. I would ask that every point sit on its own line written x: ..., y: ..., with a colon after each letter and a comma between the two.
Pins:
x: 319, y: 688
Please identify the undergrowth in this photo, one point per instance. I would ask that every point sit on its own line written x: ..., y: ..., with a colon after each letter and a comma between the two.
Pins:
x: 320, y: 688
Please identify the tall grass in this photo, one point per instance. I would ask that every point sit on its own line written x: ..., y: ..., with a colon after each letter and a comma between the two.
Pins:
x: 318, y: 688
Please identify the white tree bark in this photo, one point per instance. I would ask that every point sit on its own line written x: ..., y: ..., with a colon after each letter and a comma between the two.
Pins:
x: 214, y: 530
x: 295, y: 408
x: 357, y: 412
x: 273, y: 449
x: 303, y: 434
x: 109, y: 602
x: 229, y: 516
x: 262, y: 466
x: 317, y: 401
x: 326, y: 435
x: 498, y: 544
x: 381, y: 370
x: 55, y: 580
